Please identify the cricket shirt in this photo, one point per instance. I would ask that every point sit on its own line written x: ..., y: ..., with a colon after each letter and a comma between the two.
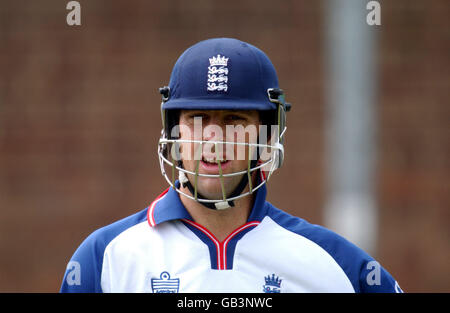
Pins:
x: 161, y: 249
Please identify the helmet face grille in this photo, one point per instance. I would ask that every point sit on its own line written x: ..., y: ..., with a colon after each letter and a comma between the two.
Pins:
x: 266, y: 162
x: 172, y: 169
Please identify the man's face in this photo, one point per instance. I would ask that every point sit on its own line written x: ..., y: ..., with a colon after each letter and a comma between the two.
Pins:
x: 217, y: 126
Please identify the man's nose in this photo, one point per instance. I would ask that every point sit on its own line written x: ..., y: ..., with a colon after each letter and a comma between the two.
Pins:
x: 214, y: 129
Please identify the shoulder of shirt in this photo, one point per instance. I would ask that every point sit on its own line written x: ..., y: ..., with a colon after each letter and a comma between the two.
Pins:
x: 352, y: 259
x: 89, y: 255
x: 104, y: 235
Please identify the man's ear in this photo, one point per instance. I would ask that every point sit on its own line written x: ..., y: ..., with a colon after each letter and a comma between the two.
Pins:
x: 172, y: 119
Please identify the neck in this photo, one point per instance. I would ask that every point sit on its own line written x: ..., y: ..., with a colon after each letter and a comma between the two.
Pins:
x: 220, y: 223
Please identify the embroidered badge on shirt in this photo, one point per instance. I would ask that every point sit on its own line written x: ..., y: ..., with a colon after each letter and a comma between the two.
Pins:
x: 218, y: 74
x: 273, y: 284
x: 165, y: 284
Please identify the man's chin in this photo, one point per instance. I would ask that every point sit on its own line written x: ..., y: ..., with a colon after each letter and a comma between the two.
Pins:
x: 211, y: 193
x: 213, y: 190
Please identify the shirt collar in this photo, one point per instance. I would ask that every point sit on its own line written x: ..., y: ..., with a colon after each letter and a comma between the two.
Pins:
x: 168, y: 206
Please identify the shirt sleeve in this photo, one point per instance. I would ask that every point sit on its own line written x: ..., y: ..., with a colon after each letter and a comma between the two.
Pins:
x: 376, y: 279
x: 83, y: 272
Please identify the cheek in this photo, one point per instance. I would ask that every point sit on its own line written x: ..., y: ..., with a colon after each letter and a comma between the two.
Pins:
x: 185, y: 131
x: 242, y: 152
x: 186, y: 148
x: 187, y: 151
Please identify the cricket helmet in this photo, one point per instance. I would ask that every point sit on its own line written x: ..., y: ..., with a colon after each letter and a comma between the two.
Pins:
x: 223, y: 74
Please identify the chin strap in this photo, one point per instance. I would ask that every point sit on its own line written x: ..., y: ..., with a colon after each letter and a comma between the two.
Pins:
x: 222, y: 205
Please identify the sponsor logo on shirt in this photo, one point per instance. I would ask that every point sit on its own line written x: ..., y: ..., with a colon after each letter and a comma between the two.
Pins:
x: 165, y: 284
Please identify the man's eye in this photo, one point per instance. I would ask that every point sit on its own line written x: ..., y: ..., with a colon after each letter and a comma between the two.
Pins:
x: 236, y: 118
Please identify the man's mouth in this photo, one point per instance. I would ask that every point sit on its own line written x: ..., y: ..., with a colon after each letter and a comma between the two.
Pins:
x: 212, y: 164
x: 212, y: 160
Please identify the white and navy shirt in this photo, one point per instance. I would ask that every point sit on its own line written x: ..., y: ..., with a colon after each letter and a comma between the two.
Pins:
x: 162, y: 249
